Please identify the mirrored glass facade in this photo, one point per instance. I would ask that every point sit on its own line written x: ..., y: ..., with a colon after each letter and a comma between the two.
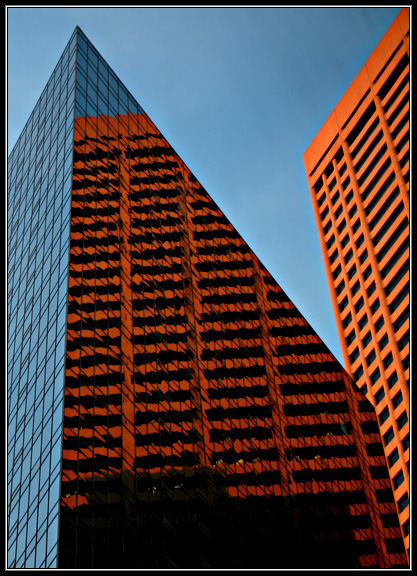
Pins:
x: 39, y: 201
x: 204, y: 423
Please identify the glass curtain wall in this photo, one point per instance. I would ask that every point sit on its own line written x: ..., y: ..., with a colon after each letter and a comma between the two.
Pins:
x: 39, y: 195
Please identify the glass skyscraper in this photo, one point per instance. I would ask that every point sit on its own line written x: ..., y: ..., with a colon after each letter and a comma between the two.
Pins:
x: 168, y: 405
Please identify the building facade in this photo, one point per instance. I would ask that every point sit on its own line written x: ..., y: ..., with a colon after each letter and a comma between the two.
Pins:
x: 358, y: 173
x: 169, y: 407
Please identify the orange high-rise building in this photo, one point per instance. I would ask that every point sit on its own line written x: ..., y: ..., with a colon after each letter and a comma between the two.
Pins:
x: 358, y: 173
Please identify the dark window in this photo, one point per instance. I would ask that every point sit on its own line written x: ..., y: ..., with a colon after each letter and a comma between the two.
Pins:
x: 358, y: 374
x: 383, y: 342
x: 388, y: 360
x: 350, y: 337
x: 359, y: 304
x: 388, y: 436
x: 379, y: 395
x: 371, y: 357
x: 398, y: 479
x: 402, y: 420
x: 340, y: 287
x: 406, y: 442
x: 367, y: 272
x: 375, y: 376
x: 355, y: 287
x: 392, y: 379
x: 344, y: 240
x: 375, y: 306
x: 403, y: 502
x: 366, y: 339
x: 363, y: 256
x: 343, y: 303
x: 355, y: 355
x: 352, y: 272
x: 398, y: 398
x: 363, y: 321
x: 379, y: 323
x: 393, y: 457
x: 347, y: 320
x: 348, y: 256
x: 383, y: 416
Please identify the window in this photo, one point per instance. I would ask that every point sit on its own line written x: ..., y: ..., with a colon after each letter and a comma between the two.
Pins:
x: 379, y: 323
x: 359, y: 304
x: 330, y: 241
x: 338, y: 212
x: 383, y: 342
x: 388, y: 436
x: 363, y: 256
x: 383, y: 416
x: 367, y: 272
x: 387, y: 360
x: 393, y: 457
x: 406, y: 527
x: 337, y: 271
x: 398, y: 398
x: 349, y: 196
x: 402, y: 420
x: 366, y: 339
x: 326, y: 228
x: 363, y: 321
x: 355, y: 287
x: 350, y: 337
x: 379, y: 395
x: 355, y: 355
x: 398, y: 479
x: 341, y: 226
x: 392, y: 379
x: 352, y: 272
x: 353, y: 211
x: 359, y: 241
x: 347, y: 320
x: 358, y: 373
x: 348, y: 256
x: 335, y: 197
x: 403, y: 502
x: 343, y: 303
x: 375, y: 376
x: 333, y: 256
x: 325, y: 212
x: 344, y: 240
x: 356, y: 225
x: 340, y: 287
x: 371, y: 357
x: 406, y: 442
x: 375, y: 306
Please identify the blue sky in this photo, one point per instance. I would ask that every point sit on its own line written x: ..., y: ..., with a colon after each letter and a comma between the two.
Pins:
x: 239, y: 93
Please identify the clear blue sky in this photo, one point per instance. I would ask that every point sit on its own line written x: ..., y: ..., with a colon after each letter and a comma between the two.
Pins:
x: 239, y: 93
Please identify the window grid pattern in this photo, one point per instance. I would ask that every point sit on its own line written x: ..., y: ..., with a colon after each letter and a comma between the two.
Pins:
x: 39, y: 192
x: 374, y: 145
x: 199, y: 404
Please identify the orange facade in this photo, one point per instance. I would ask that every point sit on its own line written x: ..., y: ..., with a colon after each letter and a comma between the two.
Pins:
x: 205, y: 423
x: 358, y: 173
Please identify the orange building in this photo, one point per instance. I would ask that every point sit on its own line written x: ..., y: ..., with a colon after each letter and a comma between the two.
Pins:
x: 358, y: 173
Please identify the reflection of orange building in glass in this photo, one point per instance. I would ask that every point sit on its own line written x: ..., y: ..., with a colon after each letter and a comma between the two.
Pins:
x: 205, y: 423
x: 358, y: 173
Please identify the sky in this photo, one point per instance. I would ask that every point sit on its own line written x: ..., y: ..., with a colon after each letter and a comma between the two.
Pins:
x: 238, y: 92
